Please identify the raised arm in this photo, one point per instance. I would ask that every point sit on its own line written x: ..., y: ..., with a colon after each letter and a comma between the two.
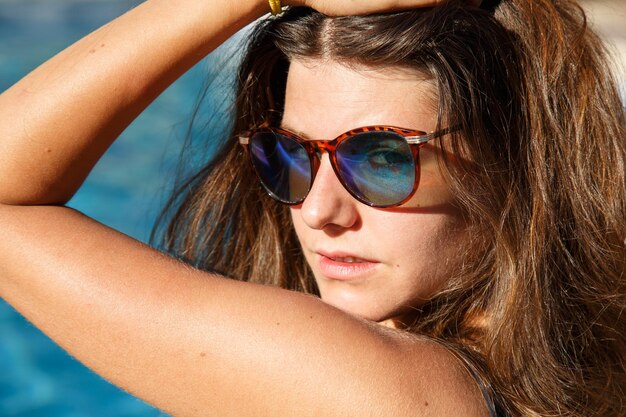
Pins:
x: 193, y: 344
x: 186, y: 341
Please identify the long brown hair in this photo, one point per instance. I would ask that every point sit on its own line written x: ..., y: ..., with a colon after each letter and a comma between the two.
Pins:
x: 536, y: 306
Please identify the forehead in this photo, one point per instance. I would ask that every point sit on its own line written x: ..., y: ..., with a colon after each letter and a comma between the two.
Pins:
x: 325, y: 98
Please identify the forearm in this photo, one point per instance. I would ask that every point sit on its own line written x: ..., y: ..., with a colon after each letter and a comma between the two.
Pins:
x: 57, y: 121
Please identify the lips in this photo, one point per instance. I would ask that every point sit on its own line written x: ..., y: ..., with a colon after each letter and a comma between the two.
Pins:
x: 348, y: 260
x: 342, y: 256
x: 345, y: 266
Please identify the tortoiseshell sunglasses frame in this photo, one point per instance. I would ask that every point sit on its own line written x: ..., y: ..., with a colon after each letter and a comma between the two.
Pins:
x: 314, y: 148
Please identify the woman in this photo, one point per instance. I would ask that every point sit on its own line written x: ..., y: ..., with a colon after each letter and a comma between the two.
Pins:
x: 494, y: 265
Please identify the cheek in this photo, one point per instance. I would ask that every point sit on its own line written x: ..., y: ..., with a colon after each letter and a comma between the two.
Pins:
x: 304, y: 233
x: 297, y: 222
x: 433, y: 193
x: 424, y: 249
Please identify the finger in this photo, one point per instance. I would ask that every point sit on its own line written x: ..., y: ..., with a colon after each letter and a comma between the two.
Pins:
x: 355, y: 7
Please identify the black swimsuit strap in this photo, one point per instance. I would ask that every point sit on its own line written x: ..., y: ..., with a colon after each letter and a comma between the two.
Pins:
x: 483, y: 384
x: 486, y: 391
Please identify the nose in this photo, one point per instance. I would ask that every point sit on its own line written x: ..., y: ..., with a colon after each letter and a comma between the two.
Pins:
x: 328, y: 203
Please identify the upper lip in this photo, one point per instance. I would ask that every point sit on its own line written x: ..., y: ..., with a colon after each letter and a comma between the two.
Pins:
x: 337, y: 254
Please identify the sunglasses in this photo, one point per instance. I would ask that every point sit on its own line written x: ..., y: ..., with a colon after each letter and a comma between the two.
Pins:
x: 377, y: 165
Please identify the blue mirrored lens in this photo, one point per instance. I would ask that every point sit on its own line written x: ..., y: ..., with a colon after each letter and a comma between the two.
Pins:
x: 282, y: 164
x: 378, y: 167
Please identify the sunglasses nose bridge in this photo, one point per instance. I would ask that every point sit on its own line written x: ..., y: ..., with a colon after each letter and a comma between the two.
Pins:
x: 319, y: 147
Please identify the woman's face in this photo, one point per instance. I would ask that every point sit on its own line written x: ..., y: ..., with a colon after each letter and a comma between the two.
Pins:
x: 375, y: 263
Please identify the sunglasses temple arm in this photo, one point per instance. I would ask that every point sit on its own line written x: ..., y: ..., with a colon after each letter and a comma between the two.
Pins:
x: 417, y: 140
x: 244, y: 139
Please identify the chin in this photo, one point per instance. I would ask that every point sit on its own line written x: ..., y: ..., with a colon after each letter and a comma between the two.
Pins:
x: 365, y: 308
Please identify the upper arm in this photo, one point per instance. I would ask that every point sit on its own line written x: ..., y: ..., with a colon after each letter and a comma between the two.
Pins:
x: 195, y: 344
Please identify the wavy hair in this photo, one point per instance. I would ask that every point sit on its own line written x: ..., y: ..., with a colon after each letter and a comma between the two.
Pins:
x: 536, y: 307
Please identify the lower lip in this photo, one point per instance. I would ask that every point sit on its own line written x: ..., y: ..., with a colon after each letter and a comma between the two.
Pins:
x: 344, y: 271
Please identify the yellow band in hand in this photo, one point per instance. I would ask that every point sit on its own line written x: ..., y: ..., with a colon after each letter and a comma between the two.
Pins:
x: 275, y: 6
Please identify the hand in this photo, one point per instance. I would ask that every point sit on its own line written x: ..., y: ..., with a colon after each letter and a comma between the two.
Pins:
x: 353, y: 7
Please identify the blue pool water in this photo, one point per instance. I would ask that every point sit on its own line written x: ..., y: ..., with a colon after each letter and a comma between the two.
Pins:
x: 124, y: 191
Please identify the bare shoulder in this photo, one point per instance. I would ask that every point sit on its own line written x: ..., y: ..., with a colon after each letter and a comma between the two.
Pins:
x: 430, y: 380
